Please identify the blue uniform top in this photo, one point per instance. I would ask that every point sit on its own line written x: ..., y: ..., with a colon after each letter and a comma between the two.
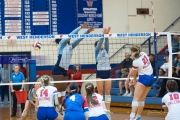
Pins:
x: 76, y: 102
x: 17, y: 78
x: 65, y: 50
x: 31, y: 95
x: 101, y: 55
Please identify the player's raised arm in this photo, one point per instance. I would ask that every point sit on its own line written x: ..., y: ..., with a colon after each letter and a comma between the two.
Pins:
x: 75, y: 31
x: 106, y: 43
x: 77, y: 41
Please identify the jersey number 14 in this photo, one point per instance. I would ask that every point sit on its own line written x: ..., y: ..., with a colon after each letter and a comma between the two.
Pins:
x: 44, y: 92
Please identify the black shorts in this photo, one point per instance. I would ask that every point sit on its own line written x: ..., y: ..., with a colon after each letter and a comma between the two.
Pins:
x: 57, y: 70
x: 103, y: 74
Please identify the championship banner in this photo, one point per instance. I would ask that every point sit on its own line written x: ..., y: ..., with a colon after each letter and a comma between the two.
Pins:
x: 90, y: 11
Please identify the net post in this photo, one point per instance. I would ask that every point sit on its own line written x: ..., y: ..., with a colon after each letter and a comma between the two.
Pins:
x: 149, y: 44
x: 155, y: 53
x: 170, y: 55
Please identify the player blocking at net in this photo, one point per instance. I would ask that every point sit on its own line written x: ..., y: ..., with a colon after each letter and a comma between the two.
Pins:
x: 59, y: 71
x: 103, y: 68
x: 143, y: 68
x: 46, y: 98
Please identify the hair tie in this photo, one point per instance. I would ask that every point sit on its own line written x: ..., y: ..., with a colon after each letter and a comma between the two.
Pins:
x: 89, y: 86
x: 74, y: 90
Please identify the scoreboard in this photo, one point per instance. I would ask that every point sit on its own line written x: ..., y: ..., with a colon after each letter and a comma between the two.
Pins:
x: 44, y: 17
x: 28, y: 17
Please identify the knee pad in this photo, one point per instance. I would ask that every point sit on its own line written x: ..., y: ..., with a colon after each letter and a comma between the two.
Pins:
x: 135, y: 103
x: 141, y: 103
x: 107, y: 98
x: 63, y: 93
x: 24, y: 113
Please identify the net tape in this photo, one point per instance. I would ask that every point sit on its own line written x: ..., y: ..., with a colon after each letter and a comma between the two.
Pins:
x: 91, y: 80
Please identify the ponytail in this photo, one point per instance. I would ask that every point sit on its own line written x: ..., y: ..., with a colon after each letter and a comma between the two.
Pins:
x: 89, y: 94
x: 136, y: 49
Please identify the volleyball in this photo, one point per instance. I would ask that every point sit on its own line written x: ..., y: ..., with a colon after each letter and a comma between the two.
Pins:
x: 37, y: 45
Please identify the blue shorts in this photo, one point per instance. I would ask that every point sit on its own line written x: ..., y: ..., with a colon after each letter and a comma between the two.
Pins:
x: 74, y: 115
x: 103, y: 74
x: 46, y: 113
x: 57, y: 70
x: 146, y: 80
x: 101, y: 117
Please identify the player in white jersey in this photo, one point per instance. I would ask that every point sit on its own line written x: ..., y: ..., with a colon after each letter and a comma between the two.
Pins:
x: 97, y: 108
x: 46, y: 97
x: 141, y: 67
x: 171, y: 101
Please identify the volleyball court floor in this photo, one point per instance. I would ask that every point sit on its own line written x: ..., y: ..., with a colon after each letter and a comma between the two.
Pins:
x: 5, y: 114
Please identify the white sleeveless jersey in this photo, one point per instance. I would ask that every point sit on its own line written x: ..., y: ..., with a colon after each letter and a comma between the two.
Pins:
x: 46, y: 96
x: 103, y: 60
x: 172, y: 101
x: 97, y: 110
x: 143, y: 64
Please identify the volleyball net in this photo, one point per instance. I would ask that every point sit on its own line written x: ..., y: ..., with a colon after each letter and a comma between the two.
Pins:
x: 83, y: 54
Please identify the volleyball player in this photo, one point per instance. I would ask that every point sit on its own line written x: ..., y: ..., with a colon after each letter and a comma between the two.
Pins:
x: 103, y: 67
x: 95, y: 103
x: 171, y: 101
x: 59, y: 70
x: 31, y: 98
x: 46, y: 97
x: 143, y: 68
x: 76, y: 107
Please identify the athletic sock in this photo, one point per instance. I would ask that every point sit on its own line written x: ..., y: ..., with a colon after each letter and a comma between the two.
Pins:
x: 132, y: 115
x: 138, y: 116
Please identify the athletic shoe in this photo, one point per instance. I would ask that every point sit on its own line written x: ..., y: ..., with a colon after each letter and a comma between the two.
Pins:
x: 130, y: 94
x: 119, y: 94
x: 126, y: 94
x: 138, y: 118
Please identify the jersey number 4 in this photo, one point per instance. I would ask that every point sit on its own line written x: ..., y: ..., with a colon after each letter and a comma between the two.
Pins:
x: 73, y: 98
x: 174, y: 96
x: 44, y: 92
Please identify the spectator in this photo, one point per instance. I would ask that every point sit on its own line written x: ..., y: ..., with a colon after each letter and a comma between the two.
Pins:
x: 157, y: 84
x: 126, y: 63
x: 23, y: 70
x: 16, y: 77
x: 5, y: 75
x: 163, y: 85
x: 77, y: 76
x: 128, y: 85
x: 125, y: 72
x: 175, y: 45
x: 151, y: 58
x: 166, y: 64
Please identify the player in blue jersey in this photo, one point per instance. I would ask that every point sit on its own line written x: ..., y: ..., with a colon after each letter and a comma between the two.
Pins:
x: 46, y: 98
x: 76, y: 107
x: 59, y: 70
x: 31, y: 98
x: 103, y: 67
x: 97, y: 108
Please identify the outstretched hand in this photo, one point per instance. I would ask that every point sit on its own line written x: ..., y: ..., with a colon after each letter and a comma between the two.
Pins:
x: 106, y: 30
x: 84, y: 25
x: 90, y: 29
